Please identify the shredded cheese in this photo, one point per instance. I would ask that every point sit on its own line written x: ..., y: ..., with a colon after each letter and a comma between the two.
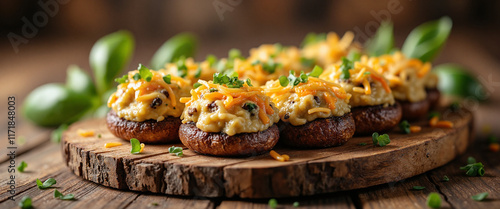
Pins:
x: 85, y: 133
x: 279, y: 157
x: 112, y: 144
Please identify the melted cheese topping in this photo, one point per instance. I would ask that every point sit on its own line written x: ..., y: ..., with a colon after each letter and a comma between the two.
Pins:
x: 307, y: 101
x: 367, y: 87
x: 141, y: 100
x: 217, y: 108
x: 406, y: 76
x: 195, y: 71
x: 331, y: 50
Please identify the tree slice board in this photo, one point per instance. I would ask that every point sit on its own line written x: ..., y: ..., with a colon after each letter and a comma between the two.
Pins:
x: 309, y: 172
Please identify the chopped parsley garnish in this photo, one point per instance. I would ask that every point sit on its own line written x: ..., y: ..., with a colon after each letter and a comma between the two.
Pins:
x: 405, y: 126
x: 445, y: 178
x: 418, y: 188
x: 362, y: 144
x: 213, y: 90
x: 434, y: 200
x: 182, y: 69
x: 345, y: 67
x: 473, y: 168
x: 480, y: 196
x: 292, y: 80
x: 59, y: 195
x: 270, y: 66
x: 196, y: 85
x: 197, y: 74
x: 145, y: 73
x: 273, y: 203
x: 22, y: 166
x: 99, y: 135
x: 307, y: 62
x: 380, y: 140
x: 48, y: 183
x: 316, y: 72
x: 249, y: 106
x: 249, y: 82
x: 123, y: 79
x: 230, y: 81
x: 136, y: 146
x: 176, y: 150
x: 167, y: 79
x: 295, y: 204
x: 211, y: 59
x: 25, y: 203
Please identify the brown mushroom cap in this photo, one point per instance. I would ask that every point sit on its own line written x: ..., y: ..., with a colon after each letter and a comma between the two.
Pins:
x: 414, y: 110
x: 369, y: 119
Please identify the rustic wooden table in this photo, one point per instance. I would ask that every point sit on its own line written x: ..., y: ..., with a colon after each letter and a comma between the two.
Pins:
x: 47, y: 64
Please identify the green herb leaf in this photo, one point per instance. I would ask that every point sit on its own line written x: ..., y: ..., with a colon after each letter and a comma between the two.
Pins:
x: 383, y: 40
x: 56, y: 135
x: 25, y: 203
x: 459, y: 81
x: 295, y: 204
x: 176, y: 150
x: 197, y: 74
x: 235, y: 54
x: 367, y: 73
x: 48, y: 183
x: 471, y: 160
x: 59, y: 195
x: 79, y: 81
x: 196, y: 85
x: 418, y: 187
x: 211, y: 59
x: 475, y: 169
x: 480, y: 196
x: 362, y: 144
x: 270, y: 66
x: 405, y: 126
x: 180, y: 45
x: 425, y: 41
x: 136, y: 76
x: 273, y: 203
x: 136, y: 146
x: 249, y: 106
x: 445, y: 178
x: 249, y: 82
x: 354, y: 55
x: 99, y: 136
x: 345, y: 67
x: 313, y: 38
x: 22, y: 166
x: 182, y: 69
x: 380, y: 140
x: 213, y: 90
x: 167, y: 79
x: 109, y: 56
x: 231, y: 82
x: 145, y: 73
x: 434, y: 200
x: 283, y: 81
x: 123, y: 79
x: 316, y: 72
x: 307, y: 62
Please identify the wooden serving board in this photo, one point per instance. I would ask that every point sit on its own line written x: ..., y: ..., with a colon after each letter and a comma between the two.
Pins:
x: 309, y: 172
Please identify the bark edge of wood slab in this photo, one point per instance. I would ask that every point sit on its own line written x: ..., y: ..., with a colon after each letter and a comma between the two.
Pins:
x: 309, y: 172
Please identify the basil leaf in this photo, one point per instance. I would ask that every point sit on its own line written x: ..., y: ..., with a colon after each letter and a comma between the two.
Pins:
x: 425, y: 41
x: 405, y: 126
x: 59, y: 195
x: 316, y: 72
x: 434, y: 200
x: 109, y: 56
x: 79, y: 81
x: 383, y: 40
x: 145, y: 73
x: 480, y: 196
x: 136, y: 146
x: 25, y: 203
x: 167, y: 79
x: 22, y: 166
x: 456, y: 80
x: 180, y: 45
x: 48, y: 183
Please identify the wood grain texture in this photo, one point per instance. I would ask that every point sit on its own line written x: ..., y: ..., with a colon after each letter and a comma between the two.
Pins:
x: 309, y: 172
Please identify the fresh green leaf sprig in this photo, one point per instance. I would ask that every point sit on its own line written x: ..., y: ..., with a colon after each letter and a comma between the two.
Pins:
x: 269, y: 66
x: 22, y: 166
x: 473, y: 168
x: 59, y: 195
x: 293, y: 81
x: 383, y: 40
x: 313, y: 38
x: 144, y: 73
x: 434, y: 200
x: 25, y: 203
x: 136, y: 146
x: 380, y: 140
x: 480, y: 196
x: 273, y: 203
x: 176, y: 150
x: 230, y: 81
x: 345, y: 67
x: 425, y: 41
x: 405, y: 126
x: 48, y: 183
